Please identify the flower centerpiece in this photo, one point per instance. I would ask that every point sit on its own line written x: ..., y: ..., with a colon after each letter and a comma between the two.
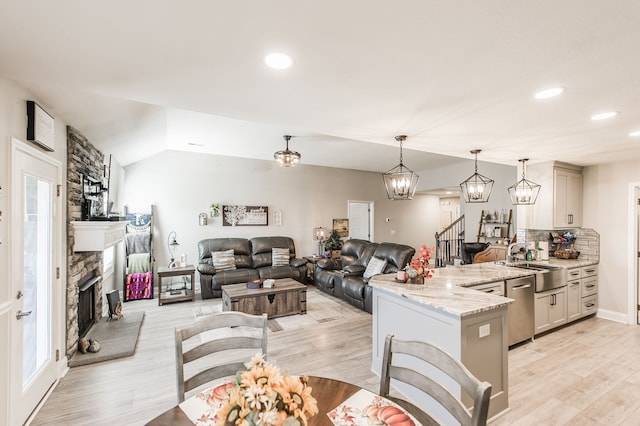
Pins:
x: 418, y: 269
x: 261, y: 396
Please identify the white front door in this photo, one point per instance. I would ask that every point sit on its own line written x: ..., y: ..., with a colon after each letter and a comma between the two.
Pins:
x: 34, y: 218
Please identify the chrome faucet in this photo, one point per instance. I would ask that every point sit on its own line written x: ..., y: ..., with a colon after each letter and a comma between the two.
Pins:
x: 510, y: 256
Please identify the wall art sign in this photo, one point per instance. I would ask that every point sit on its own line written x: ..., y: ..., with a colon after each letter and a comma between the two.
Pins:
x: 245, y: 215
x: 40, y: 126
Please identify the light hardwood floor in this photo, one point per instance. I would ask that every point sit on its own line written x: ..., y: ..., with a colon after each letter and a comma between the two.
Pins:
x: 586, y: 373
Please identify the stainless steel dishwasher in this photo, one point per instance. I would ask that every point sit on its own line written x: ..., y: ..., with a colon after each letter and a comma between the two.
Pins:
x: 520, y: 318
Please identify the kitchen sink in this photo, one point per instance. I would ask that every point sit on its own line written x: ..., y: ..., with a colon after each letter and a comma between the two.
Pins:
x: 547, y: 276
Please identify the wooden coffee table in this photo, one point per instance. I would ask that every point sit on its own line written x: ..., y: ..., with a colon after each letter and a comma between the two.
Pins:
x: 287, y: 297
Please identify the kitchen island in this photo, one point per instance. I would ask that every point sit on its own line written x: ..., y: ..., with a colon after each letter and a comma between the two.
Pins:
x: 471, y: 325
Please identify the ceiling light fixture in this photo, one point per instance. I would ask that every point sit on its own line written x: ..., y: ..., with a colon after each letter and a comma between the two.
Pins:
x: 635, y: 134
x: 287, y: 158
x: 524, y: 191
x: 604, y: 115
x: 278, y: 61
x: 477, y: 188
x: 549, y: 93
x: 400, y: 182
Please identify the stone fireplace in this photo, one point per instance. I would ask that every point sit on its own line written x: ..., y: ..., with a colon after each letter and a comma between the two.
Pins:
x: 82, y: 159
x: 87, y: 303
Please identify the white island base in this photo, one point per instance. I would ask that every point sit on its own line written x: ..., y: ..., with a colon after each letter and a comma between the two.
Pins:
x: 477, y: 337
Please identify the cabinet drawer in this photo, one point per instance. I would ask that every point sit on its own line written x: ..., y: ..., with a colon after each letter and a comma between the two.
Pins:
x: 573, y: 274
x: 589, y: 286
x: 590, y: 305
x: 589, y: 271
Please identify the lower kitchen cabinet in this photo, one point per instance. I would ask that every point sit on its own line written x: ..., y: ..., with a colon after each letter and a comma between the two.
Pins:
x: 550, y: 309
x: 574, y: 300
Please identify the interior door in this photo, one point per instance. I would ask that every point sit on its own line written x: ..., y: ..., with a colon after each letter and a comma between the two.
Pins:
x: 361, y: 220
x: 34, y: 208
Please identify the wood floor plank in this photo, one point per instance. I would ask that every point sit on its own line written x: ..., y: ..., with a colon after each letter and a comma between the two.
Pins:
x: 586, y: 373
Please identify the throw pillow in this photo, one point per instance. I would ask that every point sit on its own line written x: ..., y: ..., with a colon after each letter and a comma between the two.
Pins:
x: 375, y: 267
x: 279, y: 257
x: 223, y: 260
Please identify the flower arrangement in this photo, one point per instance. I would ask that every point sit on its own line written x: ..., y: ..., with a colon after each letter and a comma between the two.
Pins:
x: 262, y: 396
x: 419, y: 266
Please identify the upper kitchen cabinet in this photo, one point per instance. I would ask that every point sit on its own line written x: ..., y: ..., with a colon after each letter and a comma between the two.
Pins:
x: 559, y: 203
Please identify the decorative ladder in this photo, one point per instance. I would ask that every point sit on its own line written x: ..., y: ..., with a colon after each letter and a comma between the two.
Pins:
x: 449, y: 243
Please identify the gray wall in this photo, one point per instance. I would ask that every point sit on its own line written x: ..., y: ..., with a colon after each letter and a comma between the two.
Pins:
x: 182, y: 185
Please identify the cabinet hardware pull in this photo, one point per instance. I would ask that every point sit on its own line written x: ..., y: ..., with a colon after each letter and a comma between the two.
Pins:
x: 590, y: 305
x: 271, y: 297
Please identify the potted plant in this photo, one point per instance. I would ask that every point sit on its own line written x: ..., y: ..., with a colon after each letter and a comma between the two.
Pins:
x: 214, y: 209
x: 334, y: 244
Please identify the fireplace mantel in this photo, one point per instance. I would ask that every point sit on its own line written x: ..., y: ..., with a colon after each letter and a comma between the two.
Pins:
x: 97, y: 235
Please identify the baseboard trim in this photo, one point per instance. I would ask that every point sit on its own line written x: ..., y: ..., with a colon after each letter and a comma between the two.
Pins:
x: 612, y: 316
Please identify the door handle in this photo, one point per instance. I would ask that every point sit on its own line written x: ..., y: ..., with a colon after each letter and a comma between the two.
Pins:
x: 21, y: 314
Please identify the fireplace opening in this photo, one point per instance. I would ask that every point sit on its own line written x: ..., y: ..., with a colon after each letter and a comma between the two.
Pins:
x: 87, y: 303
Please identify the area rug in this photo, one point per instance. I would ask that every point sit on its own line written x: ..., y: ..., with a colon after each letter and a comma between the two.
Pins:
x: 117, y: 338
x: 321, y: 308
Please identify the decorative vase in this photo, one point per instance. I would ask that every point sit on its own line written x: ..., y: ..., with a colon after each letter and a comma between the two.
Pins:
x: 416, y: 280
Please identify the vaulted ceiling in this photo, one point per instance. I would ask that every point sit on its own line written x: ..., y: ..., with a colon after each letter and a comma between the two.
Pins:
x: 145, y: 76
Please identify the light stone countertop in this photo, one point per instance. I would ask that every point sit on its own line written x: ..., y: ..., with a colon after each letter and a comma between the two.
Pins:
x: 447, y: 291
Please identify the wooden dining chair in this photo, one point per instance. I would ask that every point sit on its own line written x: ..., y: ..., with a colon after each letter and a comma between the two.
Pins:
x: 216, y: 346
x: 480, y: 392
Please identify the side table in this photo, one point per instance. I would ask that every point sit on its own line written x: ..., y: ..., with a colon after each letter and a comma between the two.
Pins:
x: 311, y: 267
x: 172, y: 295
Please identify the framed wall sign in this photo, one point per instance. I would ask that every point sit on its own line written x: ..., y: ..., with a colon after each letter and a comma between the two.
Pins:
x: 40, y: 124
x: 245, y: 215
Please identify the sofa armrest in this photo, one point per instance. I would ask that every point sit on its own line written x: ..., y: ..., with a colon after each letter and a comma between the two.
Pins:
x: 205, y: 268
x: 329, y: 264
x: 297, y: 262
x: 354, y: 270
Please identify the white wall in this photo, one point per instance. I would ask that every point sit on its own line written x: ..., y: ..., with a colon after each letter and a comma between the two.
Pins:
x: 182, y: 185
x: 606, y: 209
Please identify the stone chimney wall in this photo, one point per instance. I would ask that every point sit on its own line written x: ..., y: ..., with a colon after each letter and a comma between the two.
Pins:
x: 83, y: 159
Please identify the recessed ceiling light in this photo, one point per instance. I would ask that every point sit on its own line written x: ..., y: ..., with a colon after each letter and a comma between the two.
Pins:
x: 604, y: 115
x: 278, y: 61
x: 549, y: 93
x: 635, y: 134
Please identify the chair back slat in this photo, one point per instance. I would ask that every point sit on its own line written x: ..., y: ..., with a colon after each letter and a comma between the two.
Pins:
x: 225, y: 349
x: 439, y: 359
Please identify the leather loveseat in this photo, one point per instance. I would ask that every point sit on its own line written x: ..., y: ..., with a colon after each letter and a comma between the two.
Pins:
x: 250, y: 259
x: 347, y: 277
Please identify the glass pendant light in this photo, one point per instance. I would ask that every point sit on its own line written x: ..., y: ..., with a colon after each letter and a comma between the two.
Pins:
x: 524, y: 191
x: 287, y: 158
x: 400, y: 182
x: 477, y: 188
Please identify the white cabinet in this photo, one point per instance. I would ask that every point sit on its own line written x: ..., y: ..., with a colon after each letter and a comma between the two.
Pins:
x: 574, y: 301
x: 559, y: 203
x: 589, y: 290
x: 550, y: 309
x: 567, y: 205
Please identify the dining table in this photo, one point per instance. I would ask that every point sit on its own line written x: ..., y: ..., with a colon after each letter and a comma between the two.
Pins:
x: 329, y: 394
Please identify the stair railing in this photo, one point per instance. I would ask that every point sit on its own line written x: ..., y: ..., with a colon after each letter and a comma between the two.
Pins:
x: 449, y: 243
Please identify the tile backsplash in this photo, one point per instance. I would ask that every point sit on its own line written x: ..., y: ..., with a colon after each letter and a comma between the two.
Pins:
x: 587, y: 240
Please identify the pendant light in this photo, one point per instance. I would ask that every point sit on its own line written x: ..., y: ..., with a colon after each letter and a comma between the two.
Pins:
x: 400, y: 182
x: 524, y: 191
x: 477, y: 188
x: 287, y: 158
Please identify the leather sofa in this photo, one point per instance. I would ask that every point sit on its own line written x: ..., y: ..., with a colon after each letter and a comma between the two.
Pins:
x: 344, y: 277
x: 252, y: 258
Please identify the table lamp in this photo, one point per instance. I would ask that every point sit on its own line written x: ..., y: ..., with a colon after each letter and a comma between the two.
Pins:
x: 173, y: 247
x: 320, y: 234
